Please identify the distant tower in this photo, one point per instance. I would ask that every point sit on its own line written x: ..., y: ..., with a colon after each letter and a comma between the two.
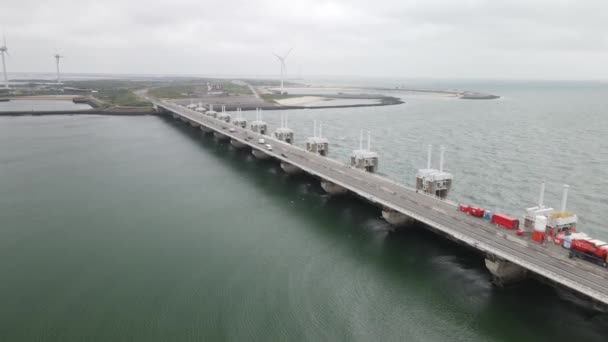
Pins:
x: 259, y: 126
x: 211, y: 112
x: 534, y: 212
x: 57, y: 58
x: 239, y: 120
x: 433, y: 181
x: 283, y: 133
x: 364, y: 159
x: 4, y: 51
x: 283, y: 67
x: 191, y: 106
x: 199, y: 108
x: 223, y: 115
x: 563, y: 220
x: 317, y: 144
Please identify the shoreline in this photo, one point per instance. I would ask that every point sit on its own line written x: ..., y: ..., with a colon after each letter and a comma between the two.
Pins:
x: 92, y: 111
x: 98, y: 107
x: 43, y: 97
x: 152, y: 111
x: 461, y: 94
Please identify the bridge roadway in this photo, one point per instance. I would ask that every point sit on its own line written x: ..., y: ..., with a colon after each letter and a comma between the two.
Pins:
x: 582, y: 277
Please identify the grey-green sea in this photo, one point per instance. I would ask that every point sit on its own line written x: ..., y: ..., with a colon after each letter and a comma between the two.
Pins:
x: 145, y: 229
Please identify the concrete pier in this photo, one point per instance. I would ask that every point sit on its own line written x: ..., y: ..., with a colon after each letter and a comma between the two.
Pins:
x: 504, y: 272
x: 259, y: 154
x: 211, y: 112
x: 237, y: 144
x: 364, y: 159
x: 317, y: 144
x: 259, y: 125
x: 205, y: 129
x: 194, y: 124
x: 223, y: 115
x: 290, y: 168
x: 239, y: 120
x: 432, y: 181
x: 284, y: 133
x: 396, y: 218
x: 333, y: 188
x: 220, y: 136
x: 200, y: 108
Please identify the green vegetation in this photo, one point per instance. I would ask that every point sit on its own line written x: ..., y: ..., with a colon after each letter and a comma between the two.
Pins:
x: 112, y: 92
x: 121, y: 97
x: 196, y: 88
x: 173, y: 91
x: 120, y: 92
x: 232, y: 88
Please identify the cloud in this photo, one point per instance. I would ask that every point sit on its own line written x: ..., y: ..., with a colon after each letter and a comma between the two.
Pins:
x: 558, y: 39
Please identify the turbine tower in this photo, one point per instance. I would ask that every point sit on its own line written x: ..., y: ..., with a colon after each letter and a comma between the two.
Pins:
x: 57, y: 58
x: 283, y: 66
x: 4, y: 50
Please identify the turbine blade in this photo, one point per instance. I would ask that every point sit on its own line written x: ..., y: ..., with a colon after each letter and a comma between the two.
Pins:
x: 288, y: 52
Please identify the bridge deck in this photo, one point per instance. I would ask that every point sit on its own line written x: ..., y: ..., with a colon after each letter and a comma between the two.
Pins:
x: 583, y: 277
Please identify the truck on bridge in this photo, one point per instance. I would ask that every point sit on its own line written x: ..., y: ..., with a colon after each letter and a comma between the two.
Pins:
x: 593, y: 250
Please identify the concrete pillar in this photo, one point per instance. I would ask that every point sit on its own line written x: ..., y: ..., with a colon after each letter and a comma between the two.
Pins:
x: 503, y: 271
x: 284, y: 134
x: 206, y: 129
x: 220, y: 136
x: 332, y: 188
x: 395, y: 218
x: 317, y: 145
x: 290, y: 169
x: 159, y: 110
x: 194, y: 124
x: 237, y: 144
x: 259, y: 154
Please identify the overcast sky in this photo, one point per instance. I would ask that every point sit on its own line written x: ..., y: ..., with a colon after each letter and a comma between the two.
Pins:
x: 515, y: 39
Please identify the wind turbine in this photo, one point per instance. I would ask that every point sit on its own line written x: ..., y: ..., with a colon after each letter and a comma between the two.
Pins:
x: 4, y: 50
x: 283, y: 66
x: 57, y: 58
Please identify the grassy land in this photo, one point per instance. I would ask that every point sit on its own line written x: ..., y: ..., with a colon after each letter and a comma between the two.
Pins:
x: 198, y: 88
x: 113, y: 92
x: 110, y: 92
x: 120, y: 92
x: 174, y: 91
x: 122, y: 97
x: 232, y: 88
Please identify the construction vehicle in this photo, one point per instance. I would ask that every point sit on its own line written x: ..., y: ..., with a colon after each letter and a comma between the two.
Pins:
x: 591, y: 250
